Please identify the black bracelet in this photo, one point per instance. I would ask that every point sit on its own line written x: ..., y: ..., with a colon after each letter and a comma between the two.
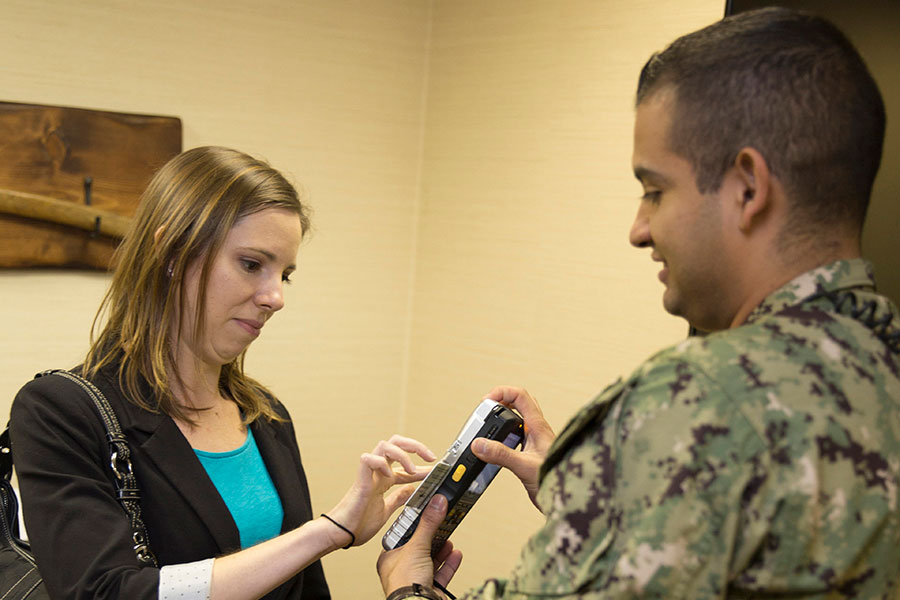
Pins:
x: 416, y: 590
x: 352, y: 537
x: 443, y: 589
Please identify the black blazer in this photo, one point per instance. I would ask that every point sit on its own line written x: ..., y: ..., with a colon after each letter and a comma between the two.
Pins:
x: 79, y: 532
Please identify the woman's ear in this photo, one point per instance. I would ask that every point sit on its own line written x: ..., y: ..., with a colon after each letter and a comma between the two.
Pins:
x: 754, y: 185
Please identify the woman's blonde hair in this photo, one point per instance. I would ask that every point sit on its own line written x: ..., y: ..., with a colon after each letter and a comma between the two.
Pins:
x: 184, y: 215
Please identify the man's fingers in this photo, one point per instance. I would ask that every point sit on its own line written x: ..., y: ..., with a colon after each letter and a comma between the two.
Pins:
x: 495, y: 453
x: 430, y: 521
x: 449, y: 567
x: 519, y: 399
x: 442, y: 553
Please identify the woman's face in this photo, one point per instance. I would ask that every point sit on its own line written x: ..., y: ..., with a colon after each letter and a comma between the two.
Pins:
x: 245, y: 287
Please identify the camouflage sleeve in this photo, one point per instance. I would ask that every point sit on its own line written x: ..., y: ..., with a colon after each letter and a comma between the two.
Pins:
x: 646, y: 501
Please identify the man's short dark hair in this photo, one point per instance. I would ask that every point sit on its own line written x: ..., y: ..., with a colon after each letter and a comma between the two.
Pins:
x: 788, y: 84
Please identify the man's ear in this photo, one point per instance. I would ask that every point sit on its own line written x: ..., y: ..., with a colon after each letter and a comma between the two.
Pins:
x: 753, y: 180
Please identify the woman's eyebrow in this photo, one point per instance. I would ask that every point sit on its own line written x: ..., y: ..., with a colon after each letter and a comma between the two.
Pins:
x: 267, y: 254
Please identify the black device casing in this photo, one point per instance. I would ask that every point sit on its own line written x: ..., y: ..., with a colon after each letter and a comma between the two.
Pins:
x: 459, y: 476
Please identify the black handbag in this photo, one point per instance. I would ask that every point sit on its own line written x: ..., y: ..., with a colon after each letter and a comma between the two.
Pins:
x: 19, y: 575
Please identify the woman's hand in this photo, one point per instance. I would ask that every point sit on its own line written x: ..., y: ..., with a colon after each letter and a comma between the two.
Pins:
x: 255, y: 571
x: 366, y: 506
x: 538, y: 438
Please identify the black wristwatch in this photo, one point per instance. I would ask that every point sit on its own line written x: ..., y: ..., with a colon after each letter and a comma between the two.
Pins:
x: 416, y: 590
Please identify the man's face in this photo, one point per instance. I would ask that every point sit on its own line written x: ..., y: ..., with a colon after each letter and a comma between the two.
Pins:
x: 683, y: 227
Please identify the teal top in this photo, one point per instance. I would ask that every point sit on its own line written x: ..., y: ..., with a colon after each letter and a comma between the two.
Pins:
x: 244, y: 483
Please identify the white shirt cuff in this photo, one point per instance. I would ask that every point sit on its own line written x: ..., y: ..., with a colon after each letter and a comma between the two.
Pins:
x: 188, y: 581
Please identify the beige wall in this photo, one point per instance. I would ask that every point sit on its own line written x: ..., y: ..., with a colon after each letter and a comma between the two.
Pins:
x: 468, y: 163
x: 524, y: 274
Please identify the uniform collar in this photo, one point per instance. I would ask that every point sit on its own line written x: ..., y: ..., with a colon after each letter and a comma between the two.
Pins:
x: 837, y: 275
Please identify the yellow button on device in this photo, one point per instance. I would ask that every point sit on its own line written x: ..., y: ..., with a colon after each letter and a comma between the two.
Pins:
x: 459, y: 472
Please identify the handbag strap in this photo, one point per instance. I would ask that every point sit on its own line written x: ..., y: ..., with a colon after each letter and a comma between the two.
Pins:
x: 127, y: 492
x: 9, y: 519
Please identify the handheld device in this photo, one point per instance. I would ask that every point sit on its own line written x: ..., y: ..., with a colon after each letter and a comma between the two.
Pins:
x: 459, y: 476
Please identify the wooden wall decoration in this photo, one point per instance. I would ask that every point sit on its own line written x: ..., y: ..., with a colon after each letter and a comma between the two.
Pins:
x: 71, y: 178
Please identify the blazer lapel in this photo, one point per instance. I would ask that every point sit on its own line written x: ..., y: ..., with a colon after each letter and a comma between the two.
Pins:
x: 279, y: 455
x: 173, y: 456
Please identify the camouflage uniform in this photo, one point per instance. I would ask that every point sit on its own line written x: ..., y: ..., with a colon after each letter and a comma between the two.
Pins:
x: 758, y: 462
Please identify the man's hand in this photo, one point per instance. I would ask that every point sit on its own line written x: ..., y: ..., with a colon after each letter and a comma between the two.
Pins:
x: 412, y: 562
x: 538, y: 438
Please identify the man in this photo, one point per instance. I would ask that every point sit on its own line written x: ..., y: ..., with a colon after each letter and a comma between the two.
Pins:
x: 763, y: 459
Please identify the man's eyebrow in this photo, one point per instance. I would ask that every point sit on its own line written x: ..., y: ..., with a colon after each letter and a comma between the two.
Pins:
x: 645, y: 175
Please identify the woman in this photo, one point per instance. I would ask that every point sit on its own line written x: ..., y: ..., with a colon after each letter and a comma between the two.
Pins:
x: 199, y: 274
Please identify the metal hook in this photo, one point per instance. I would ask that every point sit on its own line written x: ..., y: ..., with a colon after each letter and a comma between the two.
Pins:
x: 88, y: 182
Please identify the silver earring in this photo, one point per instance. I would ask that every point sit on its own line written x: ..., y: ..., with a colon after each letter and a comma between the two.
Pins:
x: 170, y: 271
